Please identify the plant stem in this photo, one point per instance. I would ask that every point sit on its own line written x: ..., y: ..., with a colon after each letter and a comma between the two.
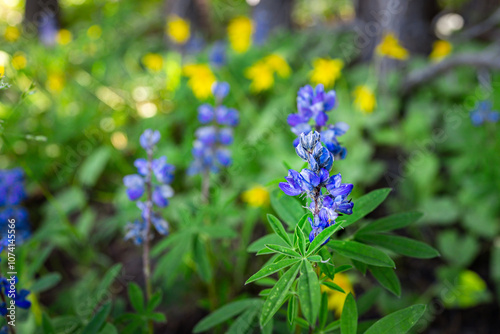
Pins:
x: 205, y: 187
x: 145, y: 249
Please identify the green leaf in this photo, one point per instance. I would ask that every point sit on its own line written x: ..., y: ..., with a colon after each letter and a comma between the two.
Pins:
x: 342, y: 268
x: 362, y: 253
x: 398, y: 322
x: 333, y: 286
x: 171, y: 260
x: 136, y: 297
x: 349, y: 317
x: 283, y: 250
x: 332, y: 326
x: 321, y: 239
x: 271, y: 269
x: 98, y: 320
x: 224, y: 313
x: 390, y: 223
x: 387, y: 278
x: 270, y: 239
x: 244, y: 322
x: 201, y: 260
x: 400, y: 245
x: 301, y: 240
x: 157, y: 317
x: 292, y: 309
x: 366, y: 204
x: 362, y: 267
x: 323, y: 310
x: 315, y: 258
x: 46, y: 282
x: 278, y: 294
x: 309, y: 292
x: 47, y: 325
x: 287, y: 207
x: 154, y: 301
x: 279, y: 229
x: 302, y: 224
x: 108, y: 329
x: 93, y: 166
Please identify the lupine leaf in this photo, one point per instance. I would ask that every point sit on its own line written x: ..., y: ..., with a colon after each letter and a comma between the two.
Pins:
x: 362, y: 253
x: 303, y: 221
x: 309, y: 292
x: 321, y: 239
x: 366, y: 204
x: 315, y: 258
x: 279, y: 229
x: 98, y: 320
x: 265, y: 251
x: 301, y: 240
x: 278, y: 294
x: 224, y: 313
x: 349, y: 317
x: 291, y: 312
x: 271, y: 269
x: 323, y: 310
x: 398, y: 322
x: 46, y: 282
x: 136, y: 297
x: 244, y: 322
x: 400, y: 245
x: 362, y: 267
x: 108, y: 329
x: 201, y: 260
x: 287, y: 207
x: 332, y: 326
x: 154, y: 301
x: 342, y: 268
x: 271, y: 239
x: 390, y: 223
x: 47, y: 325
x: 283, y: 250
x: 333, y: 286
x: 387, y: 278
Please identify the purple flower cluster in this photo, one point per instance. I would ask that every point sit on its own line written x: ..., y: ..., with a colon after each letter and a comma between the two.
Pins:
x: 157, y: 193
x: 312, y: 106
x: 325, y: 206
x: 483, y: 113
x: 12, y: 193
x: 210, y: 147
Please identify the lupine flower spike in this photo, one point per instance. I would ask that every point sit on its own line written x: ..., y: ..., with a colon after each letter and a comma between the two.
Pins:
x: 325, y: 205
x: 157, y: 194
x: 312, y: 106
x: 210, y: 147
x: 483, y: 113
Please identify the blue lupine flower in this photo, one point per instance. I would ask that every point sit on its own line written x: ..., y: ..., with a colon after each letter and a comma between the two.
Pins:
x: 483, y: 113
x: 312, y: 181
x: 217, y: 55
x: 210, y: 146
x: 19, y: 296
x: 312, y: 106
x: 12, y: 194
x: 158, y: 193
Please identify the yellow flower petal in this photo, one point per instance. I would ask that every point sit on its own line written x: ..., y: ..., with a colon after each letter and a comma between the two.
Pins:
x: 178, y: 29
x: 64, y: 37
x: 19, y: 61
x: 201, y: 79
x: 257, y: 196
x: 11, y: 34
x: 390, y: 47
x: 440, y: 49
x: 55, y: 82
x: 153, y: 61
x: 326, y: 71
x: 364, y: 99
x: 239, y: 33
x: 278, y: 64
x: 336, y: 299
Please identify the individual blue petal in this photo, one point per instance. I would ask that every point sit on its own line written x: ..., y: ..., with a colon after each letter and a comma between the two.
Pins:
x: 330, y: 100
x: 217, y: 55
x: 135, y: 186
x: 295, y: 119
x: 226, y: 116
x: 160, y: 224
x: 136, y: 232
x: 205, y: 113
x: 20, y: 298
x: 207, y: 135
x: 161, y: 194
x: 321, y: 118
x: 226, y: 136
x: 142, y: 166
x: 164, y: 172
x: 310, y: 179
x: 293, y: 186
x: 220, y: 90
x: 149, y: 139
x: 223, y: 156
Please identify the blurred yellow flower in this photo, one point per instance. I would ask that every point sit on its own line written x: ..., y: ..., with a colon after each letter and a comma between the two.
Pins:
x: 257, y: 196
x: 94, y: 32
x: 440, y: 49
x: 2, y: 70
x: 64, y: 37
x: 326, y: 71
x: 239, y: 33
x: 336, y: 299
x: 262, y: 72
x: 201, y: 79
x: 11, y: 34
x: 178, y: 29
x: 364, y: 99
x: 153, y: 61
x: 19, y: 61
x: 174, y: 69
x: 55, y: 82
x: 390, y: 47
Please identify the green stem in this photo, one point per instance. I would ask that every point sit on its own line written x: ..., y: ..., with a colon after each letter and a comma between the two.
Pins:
x: 145, y: 249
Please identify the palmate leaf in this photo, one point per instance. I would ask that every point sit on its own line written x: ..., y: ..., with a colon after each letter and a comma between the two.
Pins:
x: 391, y: 223
x: 398, y: 322
x: 387, y: 278
x: 271, y: 269
x: 309, y: 292
x: 279, y: 229
x: 366, y: 204
x: 225, y: 313
x: 349, y: 317
x: 400, y: 245
x: 278, y: 294
x: 361, y: 252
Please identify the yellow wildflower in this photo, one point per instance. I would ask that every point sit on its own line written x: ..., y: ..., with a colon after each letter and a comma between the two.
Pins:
x: 262, y: 72
x: 336, y: 299
x: 11, y: 34
x: 19, y: 61
x: 55, y: 82
x: 364, y: 99
x: 2, y: 70
x: 239, y: 33
x: 440, y: 49
x: 94, y: 32
x: 178, y: 29
x: 326, y: 71
x: 201, y: 79
x: 153, y: 61
x: 257, y: 196
x: 390, y: 47
x: 64, y: 36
